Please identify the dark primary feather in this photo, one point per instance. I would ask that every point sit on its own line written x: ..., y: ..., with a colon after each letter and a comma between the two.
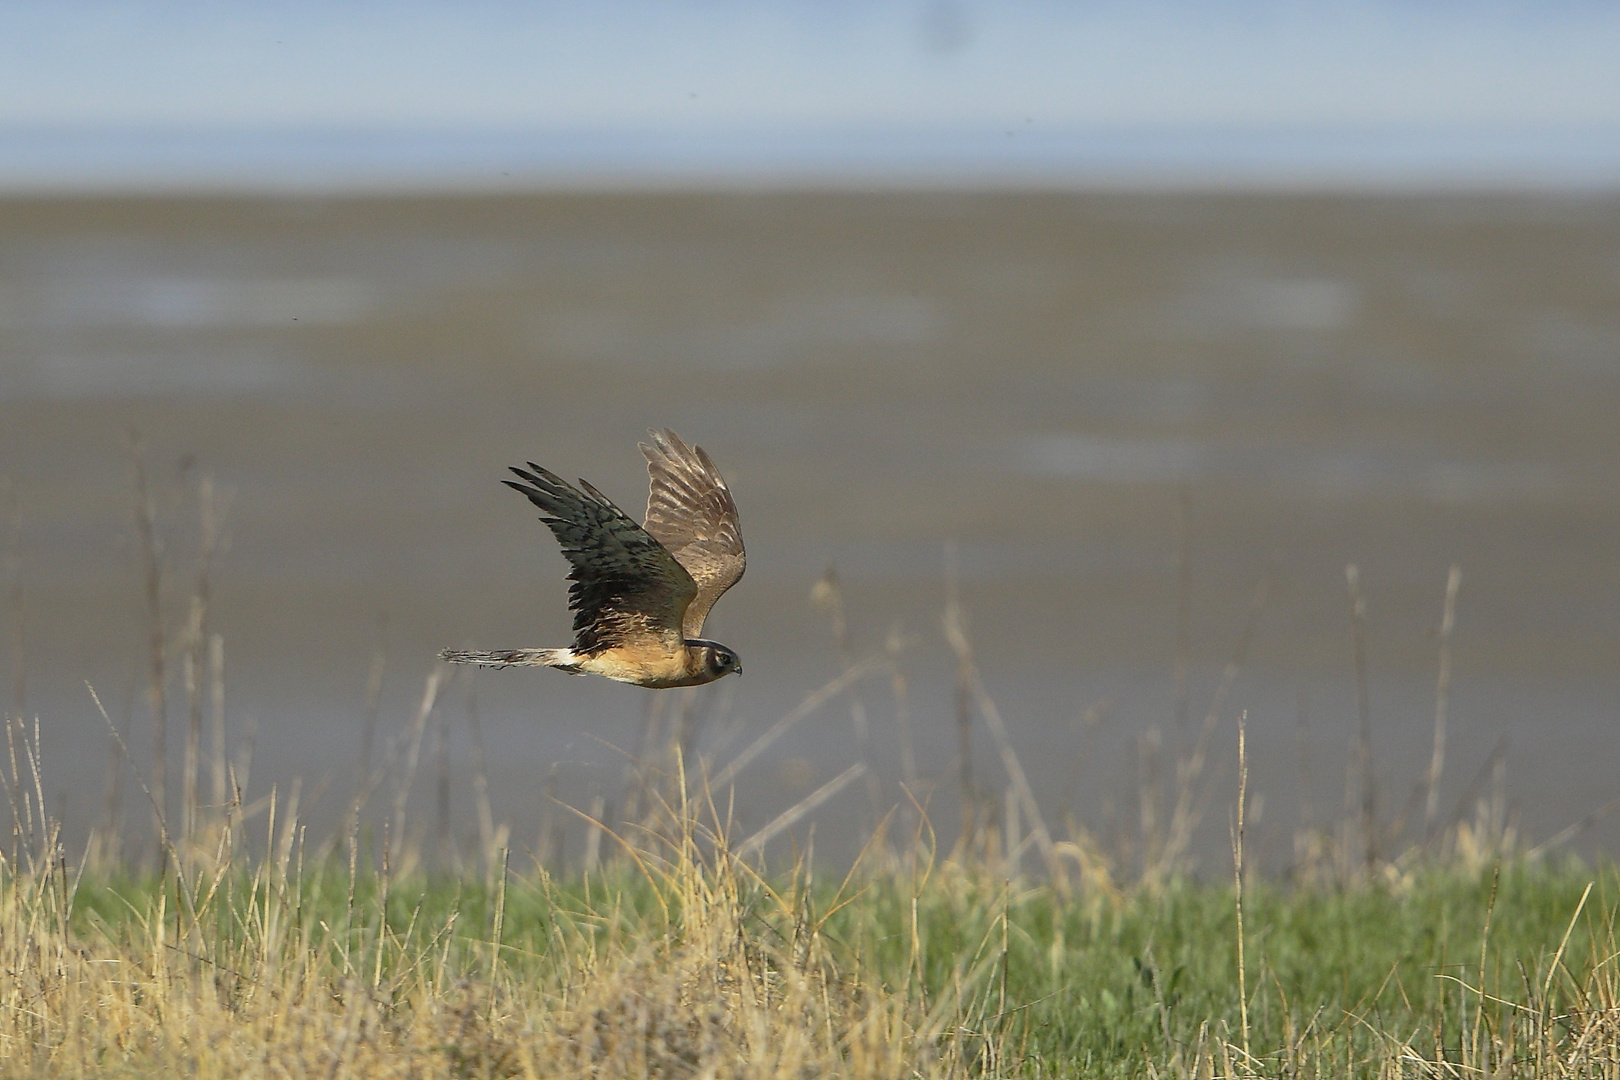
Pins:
x: 691, y: 512
x: 625, y: 584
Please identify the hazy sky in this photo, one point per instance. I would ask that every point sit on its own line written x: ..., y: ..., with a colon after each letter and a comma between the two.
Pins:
x: 701, y: 68
x: 637, y: 62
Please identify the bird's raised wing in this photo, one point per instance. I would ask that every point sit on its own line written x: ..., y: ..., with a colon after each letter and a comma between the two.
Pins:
x: 690, y: 511
x: 627, y: 587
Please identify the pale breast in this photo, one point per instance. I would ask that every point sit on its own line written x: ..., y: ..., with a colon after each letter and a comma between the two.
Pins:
x: 645, y: 667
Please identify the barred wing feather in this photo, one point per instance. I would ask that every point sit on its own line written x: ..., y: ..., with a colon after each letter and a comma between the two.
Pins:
x: 628, y: 589
x: 690, y: 512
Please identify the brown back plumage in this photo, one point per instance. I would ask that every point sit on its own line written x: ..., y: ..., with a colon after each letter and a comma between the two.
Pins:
x: 628, y: 589
x: 691, y: 513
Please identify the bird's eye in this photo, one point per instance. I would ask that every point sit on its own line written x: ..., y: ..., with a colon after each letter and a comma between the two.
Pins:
x: 726, y: 659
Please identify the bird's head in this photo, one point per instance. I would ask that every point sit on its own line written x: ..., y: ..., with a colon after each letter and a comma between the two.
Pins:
x: 716, y: 658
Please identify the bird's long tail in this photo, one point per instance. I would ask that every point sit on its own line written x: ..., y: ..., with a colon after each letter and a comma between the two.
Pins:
x: 562, y: 659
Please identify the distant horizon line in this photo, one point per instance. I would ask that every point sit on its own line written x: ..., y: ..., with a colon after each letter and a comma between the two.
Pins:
x: 306, y: 158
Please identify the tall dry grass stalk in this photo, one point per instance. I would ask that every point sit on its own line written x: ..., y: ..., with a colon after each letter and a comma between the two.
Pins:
x: 374, y: 685
x: 216, y: 710
x: 829, y: 596
x: 1442, y: 699
x: 968, y: 674
x: 1367, y: 820
x: 1237, y: 876
x: 12, y: 502
x: 194, y: 646
x: 156, y: 643
x: 1183, y: 663
x: 1165, y: 850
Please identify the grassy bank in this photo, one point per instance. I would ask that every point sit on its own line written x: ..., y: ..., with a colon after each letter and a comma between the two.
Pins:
x: 681, y: 958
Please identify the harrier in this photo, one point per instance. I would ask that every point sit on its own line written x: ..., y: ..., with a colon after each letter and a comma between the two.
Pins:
x: 640, y: 593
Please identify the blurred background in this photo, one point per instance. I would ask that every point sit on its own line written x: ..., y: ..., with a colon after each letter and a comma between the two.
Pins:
x: 1130, y: 326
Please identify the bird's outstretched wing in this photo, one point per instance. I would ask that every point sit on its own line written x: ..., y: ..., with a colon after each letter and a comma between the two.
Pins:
x: 690, y: 511
x: 627, y: 588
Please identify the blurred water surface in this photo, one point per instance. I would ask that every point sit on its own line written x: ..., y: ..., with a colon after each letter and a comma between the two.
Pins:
x: 1085, y: 392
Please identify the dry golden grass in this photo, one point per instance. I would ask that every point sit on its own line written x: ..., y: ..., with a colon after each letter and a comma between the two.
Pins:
x: 682, y: 961
x: 254, y: 956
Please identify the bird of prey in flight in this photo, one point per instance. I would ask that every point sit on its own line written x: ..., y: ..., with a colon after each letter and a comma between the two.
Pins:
x: 640, y: 593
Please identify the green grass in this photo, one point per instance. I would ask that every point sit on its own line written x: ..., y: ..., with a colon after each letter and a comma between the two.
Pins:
x: 684, y: 959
